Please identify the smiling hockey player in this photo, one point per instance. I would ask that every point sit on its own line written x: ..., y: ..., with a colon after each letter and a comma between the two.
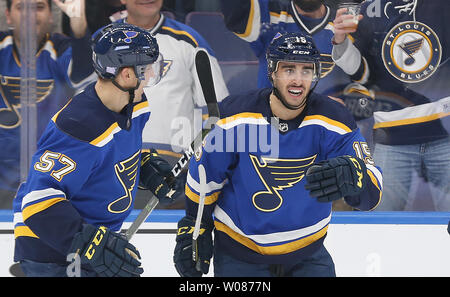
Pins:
x: 272, y: 211
x: 85, y: 172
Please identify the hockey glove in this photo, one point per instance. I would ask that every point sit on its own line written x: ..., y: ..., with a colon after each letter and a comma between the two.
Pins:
x: 182, y: 257
x: 336, y: 178
x: 154, y: 169
x: 108, y: 253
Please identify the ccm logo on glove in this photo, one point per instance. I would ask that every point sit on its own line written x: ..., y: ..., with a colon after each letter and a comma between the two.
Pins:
x: 95, y: 241
x: 358, y: 172
x: 189, y: 230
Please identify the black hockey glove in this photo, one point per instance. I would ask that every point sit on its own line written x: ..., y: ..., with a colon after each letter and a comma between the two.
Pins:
x: 336, y: 178
x: 182, y: 257
x: 107, y: 252
x: 154, y: 169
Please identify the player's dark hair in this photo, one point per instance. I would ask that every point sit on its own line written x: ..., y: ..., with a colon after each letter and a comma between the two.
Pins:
x: 9, y: 3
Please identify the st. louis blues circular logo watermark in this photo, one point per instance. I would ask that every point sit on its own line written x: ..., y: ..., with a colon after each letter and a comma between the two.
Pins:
x: 411, y: 52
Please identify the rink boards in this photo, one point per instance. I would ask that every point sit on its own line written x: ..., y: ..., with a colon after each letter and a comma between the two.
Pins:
x: 361, y: 243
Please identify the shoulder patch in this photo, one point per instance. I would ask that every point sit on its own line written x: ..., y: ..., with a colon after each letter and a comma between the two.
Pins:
x: 411, y: 52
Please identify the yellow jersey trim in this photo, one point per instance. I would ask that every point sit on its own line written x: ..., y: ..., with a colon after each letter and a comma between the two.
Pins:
x: 272, y: 250
x: 24, y: 231
x: 114, y: 126
x: 328, y: 121
x: 210, y: 199
x: 411, y: 121
x: 181, y: 32
x: 248, y: 28
x: 40, y: 206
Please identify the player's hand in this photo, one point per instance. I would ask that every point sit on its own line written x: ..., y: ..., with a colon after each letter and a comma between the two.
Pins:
x: 341, y: 27
x: 108, y: 253
x: 182, y: 257
x: 336, y: 178
x: 154, y: 169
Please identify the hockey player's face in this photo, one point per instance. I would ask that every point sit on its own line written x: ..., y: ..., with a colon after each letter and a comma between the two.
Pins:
x: 293, y: 81
x: 44, y: 18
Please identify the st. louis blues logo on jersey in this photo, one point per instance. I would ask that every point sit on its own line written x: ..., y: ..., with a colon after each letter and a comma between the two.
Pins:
x: 277, y: 175
x: 411, y: 52
x: 10, y: 99
x: 126, y: 172
x: 166, y: 67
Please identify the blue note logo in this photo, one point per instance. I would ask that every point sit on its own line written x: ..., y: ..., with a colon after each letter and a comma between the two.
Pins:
x: 127, y: 37
x: 411, y: 52
x: 126, y: 172
x: 10, y: 99
x: 277, y: 175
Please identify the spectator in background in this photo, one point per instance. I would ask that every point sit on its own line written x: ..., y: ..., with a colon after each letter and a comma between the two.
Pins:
x: 63, y: 65
x: 258, y: 21
x: 176, y: 101
x: 98, y: 14
x: 401, y: 53
x: 180, y: 8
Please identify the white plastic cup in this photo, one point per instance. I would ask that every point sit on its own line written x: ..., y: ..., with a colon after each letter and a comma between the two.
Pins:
x: 352, y: 9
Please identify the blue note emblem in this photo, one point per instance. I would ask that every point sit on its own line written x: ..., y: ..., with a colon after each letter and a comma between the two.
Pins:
x: 129, y: 36
x: 276, y: 176
x: 126, y: 173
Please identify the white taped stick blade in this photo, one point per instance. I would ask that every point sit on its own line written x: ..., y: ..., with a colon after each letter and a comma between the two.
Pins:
x: 198, y: 219
x: 201, y: 203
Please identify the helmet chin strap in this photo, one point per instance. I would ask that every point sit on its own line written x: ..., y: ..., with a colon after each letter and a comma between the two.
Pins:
x: 129, y: 107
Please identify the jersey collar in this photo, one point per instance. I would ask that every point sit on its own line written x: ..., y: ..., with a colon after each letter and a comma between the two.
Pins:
x: 299, y: 22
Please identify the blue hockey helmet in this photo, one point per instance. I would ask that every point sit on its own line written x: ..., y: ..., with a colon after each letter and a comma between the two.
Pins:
x: 119, y: 45
x: 293, y: 47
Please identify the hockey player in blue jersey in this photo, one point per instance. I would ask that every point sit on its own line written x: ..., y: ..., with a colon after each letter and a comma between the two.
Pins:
x: 270, y: 205
x: 84, y: 175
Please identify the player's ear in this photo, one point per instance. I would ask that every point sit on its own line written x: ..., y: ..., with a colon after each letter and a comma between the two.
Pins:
x: 272, y: 77
x: 126, y: 74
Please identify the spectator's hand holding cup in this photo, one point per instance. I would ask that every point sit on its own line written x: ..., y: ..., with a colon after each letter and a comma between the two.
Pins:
x: 346, y: 21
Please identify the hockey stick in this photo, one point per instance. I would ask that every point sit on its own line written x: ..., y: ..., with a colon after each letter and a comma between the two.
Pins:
x: 198, y: 219
x: 204, y: 74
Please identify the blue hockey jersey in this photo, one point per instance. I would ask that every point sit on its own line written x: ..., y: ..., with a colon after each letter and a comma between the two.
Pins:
x: 85, y: 170
x: 255, y: 167
x: 258, y: 21
x: 63, y: 65
x: 401, y: 51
